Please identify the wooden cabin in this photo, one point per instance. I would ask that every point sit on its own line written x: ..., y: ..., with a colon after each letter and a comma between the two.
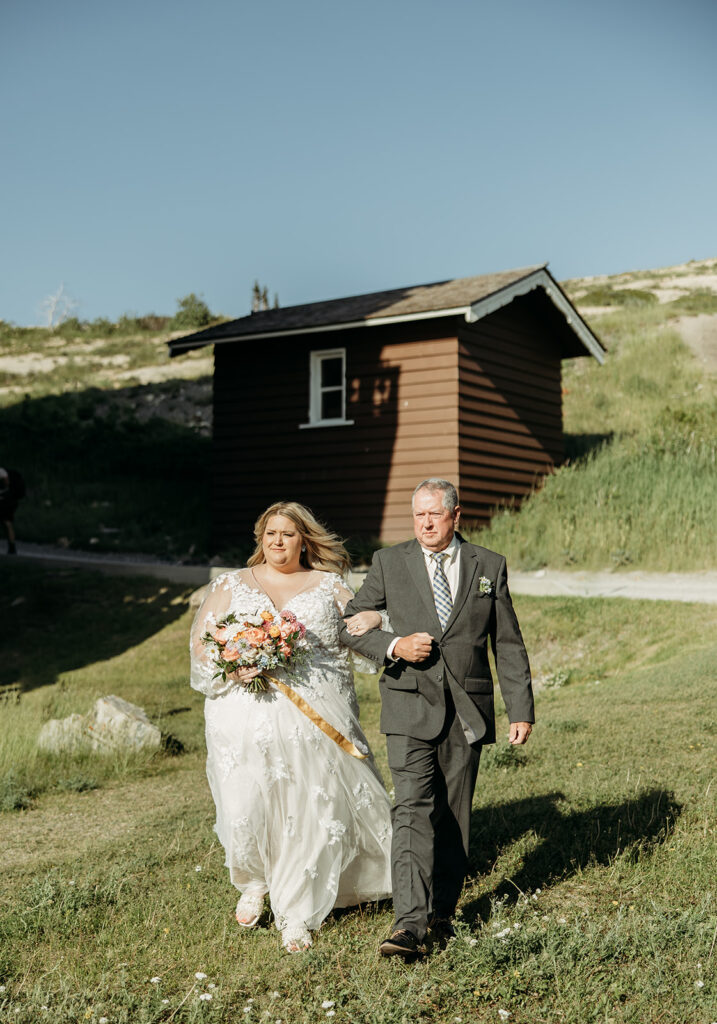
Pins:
x: 346, y: 405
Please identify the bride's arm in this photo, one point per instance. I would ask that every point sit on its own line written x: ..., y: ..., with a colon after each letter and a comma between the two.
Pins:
x: 214, y: 607
x: 359, y: 623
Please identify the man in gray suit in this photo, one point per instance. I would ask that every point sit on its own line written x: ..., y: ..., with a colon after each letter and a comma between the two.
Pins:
x: 446, y: 599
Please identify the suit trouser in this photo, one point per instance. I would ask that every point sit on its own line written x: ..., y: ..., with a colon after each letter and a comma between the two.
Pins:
x: 434, y: 782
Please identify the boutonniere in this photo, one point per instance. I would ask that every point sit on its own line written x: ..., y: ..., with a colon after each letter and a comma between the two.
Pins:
x: 485, y: 586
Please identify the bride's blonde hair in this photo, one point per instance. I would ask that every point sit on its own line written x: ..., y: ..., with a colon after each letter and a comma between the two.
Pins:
x: 324, y: 550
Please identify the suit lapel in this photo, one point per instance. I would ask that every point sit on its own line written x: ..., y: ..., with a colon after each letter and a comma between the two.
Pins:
x: 417, y: 567
x: 469, y: 565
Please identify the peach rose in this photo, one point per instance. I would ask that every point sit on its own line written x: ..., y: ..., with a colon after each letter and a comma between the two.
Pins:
x: 221, y: 635
x: 285, y: 650
x: 254, y: 636
x: 231, y: 653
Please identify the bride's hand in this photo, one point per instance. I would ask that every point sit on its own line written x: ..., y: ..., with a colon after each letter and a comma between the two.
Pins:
x: 245, y: 675
x: 360, y: 623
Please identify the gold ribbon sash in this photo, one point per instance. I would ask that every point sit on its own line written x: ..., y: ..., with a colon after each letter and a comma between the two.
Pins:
x: 346, y: 745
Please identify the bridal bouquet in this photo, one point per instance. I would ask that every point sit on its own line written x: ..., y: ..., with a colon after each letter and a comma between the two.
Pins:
x: 265, y: 641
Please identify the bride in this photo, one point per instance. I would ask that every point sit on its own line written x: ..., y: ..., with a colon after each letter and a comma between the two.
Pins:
x: 299, y: 818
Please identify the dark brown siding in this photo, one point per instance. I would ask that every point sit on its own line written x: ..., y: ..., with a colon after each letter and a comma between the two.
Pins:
x: 402, y: 386
x: 510, y: 407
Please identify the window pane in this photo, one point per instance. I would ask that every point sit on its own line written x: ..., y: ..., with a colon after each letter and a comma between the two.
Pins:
x: 331, y: 405
x: 332, y: 372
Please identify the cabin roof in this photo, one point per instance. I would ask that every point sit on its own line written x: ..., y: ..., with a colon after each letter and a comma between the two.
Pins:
x: 471, y: 297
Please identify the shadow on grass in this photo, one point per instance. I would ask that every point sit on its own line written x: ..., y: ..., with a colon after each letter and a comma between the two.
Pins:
x: 568, y: 841
x: 577, y: 446
x: 54, y: 621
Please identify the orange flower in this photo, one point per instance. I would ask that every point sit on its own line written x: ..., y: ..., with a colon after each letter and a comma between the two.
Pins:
x: 274, y: 631
x: 285, y: 650
x: 266, y: 616
x: 254, y: 635
x: 231, y: 653
x: 221, y: 635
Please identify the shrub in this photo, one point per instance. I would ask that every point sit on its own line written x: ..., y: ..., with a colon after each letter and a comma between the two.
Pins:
x: 193, y: 312
x: 605, y: 295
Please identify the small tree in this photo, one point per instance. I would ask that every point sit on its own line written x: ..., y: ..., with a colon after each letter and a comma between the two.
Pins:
x: 192, y: 311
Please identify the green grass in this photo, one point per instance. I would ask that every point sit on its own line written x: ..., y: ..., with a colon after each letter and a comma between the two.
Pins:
x: 605, y: 295
x: 591, y: 896
x: 640, y: 487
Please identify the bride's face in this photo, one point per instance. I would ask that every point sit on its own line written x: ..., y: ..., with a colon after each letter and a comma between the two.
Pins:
x: 282, y: 544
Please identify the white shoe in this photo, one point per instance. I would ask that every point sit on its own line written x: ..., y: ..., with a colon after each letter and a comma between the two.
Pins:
x: 295, y: 938
x: 249, y: 909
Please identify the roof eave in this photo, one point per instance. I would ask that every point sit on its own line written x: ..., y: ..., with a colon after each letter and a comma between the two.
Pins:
x: 541, y: 278
x: 176, y: 347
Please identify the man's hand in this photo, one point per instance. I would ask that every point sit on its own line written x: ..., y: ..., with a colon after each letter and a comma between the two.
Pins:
x: 519, y: 732
x: 414, y: 648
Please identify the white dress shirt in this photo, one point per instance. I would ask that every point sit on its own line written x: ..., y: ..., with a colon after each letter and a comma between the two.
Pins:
x: 452, y: 569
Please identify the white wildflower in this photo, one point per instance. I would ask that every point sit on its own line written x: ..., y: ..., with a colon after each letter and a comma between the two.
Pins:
x: 504, y: 1014
x: 561, y: 920
x: 2, y: 988
x: 155, y: 981
x: 473, y: 942
x: 104, y: 1020
x: 516, y: 925
x: 331, y: 1013
x: 199, y: 975
x: 198, y: 867
x: 165, y: 1002
x: 206, y: 996
x: 503, y: 934
x: 699, y: 983
x: 274, y: 995
x: 247, y: 1009
x: 327, y: 1004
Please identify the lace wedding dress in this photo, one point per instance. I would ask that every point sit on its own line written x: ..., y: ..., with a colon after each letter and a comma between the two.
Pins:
x: 296, y: 815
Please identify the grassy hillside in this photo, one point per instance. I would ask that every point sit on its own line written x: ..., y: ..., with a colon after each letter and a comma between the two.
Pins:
x: 640, y: 485
x: 591, y: 893
x: 114, y: 439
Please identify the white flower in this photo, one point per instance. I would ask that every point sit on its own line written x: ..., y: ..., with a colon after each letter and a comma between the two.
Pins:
x: 206, y: 996
x: 503, y: 934
x: 473, y: 942
x: 155, y: 980
x: 198, y: 867
x: 538, y: 892
x: 211, y: 985
x: 504, y: 1014
x: 516, y: 925
x: 699, y: 983
x: 2, y: 988
x: 249, y: 1002
x: 331, y: 1013
x: 200, y: 975
x: 327, y: 1004
x: 561, y: 920
x: 104, y: 1020
x: 274, y: 995
x: 247, y: 1009
x: 165, y: 1001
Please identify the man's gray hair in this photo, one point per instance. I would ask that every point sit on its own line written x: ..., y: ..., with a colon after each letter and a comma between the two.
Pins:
x: 434, y: 485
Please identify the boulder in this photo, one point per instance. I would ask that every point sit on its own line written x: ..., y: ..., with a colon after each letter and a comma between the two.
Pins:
x: 117, y: 723
x: 63, y: 734
x: 112, y: 724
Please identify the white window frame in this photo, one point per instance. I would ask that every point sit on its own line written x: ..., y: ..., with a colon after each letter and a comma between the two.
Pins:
x: 316, y: 358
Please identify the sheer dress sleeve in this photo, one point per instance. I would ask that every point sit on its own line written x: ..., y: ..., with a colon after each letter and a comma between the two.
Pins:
x: 214, y: 607
x: 342, y: 595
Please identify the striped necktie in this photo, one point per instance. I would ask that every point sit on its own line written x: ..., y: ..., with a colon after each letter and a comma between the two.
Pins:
x: 441, y: 590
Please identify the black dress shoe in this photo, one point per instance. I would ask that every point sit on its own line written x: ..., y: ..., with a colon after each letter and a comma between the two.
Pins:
x: 441, y: 928
x: 400, y: 943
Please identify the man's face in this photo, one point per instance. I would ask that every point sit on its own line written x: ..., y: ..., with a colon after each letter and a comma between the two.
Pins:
x: 433, y: 524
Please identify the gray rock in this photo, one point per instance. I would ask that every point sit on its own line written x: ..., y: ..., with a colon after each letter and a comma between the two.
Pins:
x: 117, y: 723
x: 113, y: 724
x: 64, y: 734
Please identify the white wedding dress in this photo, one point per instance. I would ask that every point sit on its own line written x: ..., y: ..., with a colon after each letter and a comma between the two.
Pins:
x: 296, y: 815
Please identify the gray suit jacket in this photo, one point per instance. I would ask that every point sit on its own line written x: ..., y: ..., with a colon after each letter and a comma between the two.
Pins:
x: 413, y: 695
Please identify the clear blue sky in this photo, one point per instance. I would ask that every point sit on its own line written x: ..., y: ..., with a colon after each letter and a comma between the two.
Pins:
x: 150, y: 148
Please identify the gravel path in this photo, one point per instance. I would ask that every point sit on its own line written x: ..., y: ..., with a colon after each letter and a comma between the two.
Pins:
x: 647, y: 586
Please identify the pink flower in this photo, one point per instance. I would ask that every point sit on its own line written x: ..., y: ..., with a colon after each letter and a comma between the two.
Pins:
x: 221, y: 635
x: 285, y: 649
x: 254, y: 635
